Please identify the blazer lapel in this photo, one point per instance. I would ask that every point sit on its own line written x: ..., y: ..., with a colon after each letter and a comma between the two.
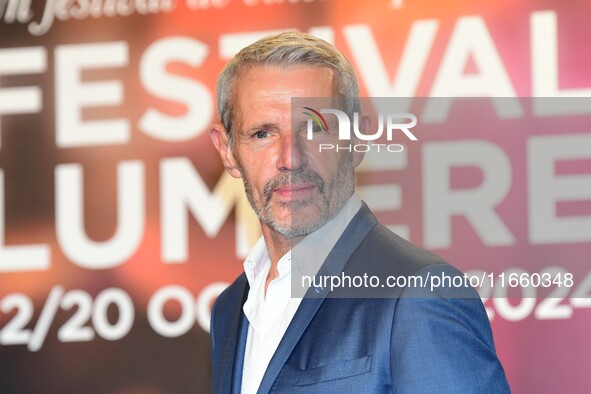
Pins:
x: 233, y: 340
x: 239, y: 356
x: 355, y: 232
x: 296, y: 328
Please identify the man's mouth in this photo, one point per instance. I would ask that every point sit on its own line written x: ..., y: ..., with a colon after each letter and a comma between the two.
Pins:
x: 294, y: 192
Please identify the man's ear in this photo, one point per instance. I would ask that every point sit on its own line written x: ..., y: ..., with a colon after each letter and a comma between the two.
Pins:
x: 222, y: 144
x: 364, y: 125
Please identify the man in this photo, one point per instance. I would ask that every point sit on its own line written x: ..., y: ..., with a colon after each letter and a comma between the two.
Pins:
x: 263, y: 340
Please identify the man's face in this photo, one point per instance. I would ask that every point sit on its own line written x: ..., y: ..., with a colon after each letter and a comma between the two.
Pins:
x: 292, y: 187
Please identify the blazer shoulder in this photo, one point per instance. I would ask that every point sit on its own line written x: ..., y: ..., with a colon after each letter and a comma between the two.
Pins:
x: 398, y: 267
x: 384, y: 247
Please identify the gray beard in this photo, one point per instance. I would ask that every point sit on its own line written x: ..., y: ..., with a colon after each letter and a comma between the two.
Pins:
x: 342, y: 187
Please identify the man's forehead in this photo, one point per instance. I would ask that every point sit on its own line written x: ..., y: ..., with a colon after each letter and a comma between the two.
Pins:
x: 270, y: 89
x: 273, y: 84
x: 284, y: 74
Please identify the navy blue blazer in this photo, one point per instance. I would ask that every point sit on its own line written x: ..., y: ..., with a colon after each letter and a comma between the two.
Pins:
x: 404, y: 340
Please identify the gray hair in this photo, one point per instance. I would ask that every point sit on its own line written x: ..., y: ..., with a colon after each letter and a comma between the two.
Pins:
x: 286, y: 50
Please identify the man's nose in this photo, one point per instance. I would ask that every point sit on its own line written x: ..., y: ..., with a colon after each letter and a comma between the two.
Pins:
x: 291, y: 153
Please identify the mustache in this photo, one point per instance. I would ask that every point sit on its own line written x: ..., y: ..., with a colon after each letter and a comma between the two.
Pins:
x: 301, y: 175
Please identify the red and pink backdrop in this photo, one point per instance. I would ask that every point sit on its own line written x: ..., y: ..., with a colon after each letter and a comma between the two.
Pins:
x: 119, y: 227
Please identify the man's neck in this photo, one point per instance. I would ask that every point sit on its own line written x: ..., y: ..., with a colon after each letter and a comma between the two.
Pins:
x: 277, y: 246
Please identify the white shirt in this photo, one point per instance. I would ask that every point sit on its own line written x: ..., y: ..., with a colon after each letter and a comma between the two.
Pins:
x: 270, y: 316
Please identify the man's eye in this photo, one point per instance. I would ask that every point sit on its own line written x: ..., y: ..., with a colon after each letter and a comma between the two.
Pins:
x: 261, y: 134
x: 317, y: 128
